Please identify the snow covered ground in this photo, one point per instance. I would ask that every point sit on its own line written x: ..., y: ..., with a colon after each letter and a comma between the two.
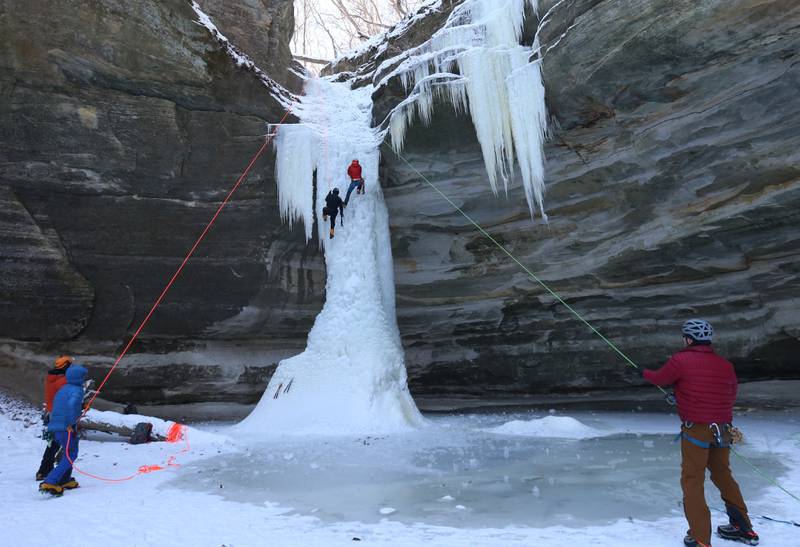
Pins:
x: 452, y: 483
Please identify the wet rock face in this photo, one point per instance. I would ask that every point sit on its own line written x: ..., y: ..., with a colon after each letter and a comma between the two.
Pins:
x: 122, y: 127
x: 673, y: 192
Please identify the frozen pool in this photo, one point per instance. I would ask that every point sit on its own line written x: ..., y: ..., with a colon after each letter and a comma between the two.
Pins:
x: 457, y: 472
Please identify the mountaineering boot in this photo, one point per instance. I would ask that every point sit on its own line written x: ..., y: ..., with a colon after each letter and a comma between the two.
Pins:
x: 689, y: 541
x: 736, y: 533
x: 51, y: 489
x: 331, y: 234
x: 69, y: 484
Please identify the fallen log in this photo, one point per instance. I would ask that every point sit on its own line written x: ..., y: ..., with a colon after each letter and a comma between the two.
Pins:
x: 123, y: 424
x: 124, y: 430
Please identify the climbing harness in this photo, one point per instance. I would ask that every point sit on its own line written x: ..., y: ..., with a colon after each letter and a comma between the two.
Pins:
x: 715, y: 430
x: 670, y: 399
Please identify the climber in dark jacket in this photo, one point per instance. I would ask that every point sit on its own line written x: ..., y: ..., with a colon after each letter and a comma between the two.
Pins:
x: 67, y: 407
x: 333, y: 206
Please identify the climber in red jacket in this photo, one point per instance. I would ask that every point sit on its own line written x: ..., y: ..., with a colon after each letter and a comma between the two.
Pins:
x: 705, y: 390
x: 356, y: 180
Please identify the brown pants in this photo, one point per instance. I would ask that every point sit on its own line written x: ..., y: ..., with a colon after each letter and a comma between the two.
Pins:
x: 693, y: 476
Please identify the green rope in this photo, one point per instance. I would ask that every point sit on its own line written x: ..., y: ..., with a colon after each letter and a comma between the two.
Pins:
x: 763, y: 475
x: 555, y: 295
x: 532, y: 275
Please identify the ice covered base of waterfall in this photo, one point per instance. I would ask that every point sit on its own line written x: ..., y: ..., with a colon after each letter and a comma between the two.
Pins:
x: 351, y: 378
x: 456, y: 483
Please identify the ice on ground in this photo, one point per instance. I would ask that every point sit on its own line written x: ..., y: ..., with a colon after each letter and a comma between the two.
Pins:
x: 352, y: 377
x: 562, y: 427
x: 498, y: 480
x: 217, y: 501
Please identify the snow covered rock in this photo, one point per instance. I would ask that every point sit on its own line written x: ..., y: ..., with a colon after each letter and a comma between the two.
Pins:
x: 563, y: 427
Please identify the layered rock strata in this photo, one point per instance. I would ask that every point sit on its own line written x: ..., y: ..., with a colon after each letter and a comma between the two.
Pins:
x: 124, y: 125
x: 673, y: 192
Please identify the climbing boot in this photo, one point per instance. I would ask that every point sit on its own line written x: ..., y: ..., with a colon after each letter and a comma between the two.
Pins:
x: 331, y: 233
x: 69, y: 484
x: 51, y: 489
x: 736, y: 533
x: 689, y: 541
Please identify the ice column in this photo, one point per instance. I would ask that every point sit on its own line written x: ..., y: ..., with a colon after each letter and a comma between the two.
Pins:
x: 351, y: 378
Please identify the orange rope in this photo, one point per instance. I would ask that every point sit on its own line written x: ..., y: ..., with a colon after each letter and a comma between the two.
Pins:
x: 176, y: 433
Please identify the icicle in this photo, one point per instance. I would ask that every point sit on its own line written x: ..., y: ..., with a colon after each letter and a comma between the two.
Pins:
x: 500, y: 88
x: 297, y: 147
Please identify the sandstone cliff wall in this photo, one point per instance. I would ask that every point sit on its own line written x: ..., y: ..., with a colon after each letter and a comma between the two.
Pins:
x: 673, y: 192
x: 124, y: 124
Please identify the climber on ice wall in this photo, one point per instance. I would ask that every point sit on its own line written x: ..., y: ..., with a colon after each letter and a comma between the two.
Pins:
x: 705, y: 390
x: 333, y: 206
x: 356, y: 180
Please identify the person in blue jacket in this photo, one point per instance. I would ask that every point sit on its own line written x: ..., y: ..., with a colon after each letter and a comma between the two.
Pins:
x: 67, y: 407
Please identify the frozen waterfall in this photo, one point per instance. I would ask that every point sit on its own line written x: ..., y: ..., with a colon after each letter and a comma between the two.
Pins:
x: 351, y: 378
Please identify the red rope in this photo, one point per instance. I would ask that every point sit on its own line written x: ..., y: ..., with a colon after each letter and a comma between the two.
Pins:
x: 183, y: 264
x: 177, y: 431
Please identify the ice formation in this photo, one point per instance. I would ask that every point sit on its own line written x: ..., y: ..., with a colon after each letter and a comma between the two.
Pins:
x: 562, y: 427
x: 351, y: 379
x: 475, y: 62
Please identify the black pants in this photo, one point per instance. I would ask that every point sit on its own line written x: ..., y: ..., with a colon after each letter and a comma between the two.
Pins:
x: 51, y: 455
x: 333, y: 215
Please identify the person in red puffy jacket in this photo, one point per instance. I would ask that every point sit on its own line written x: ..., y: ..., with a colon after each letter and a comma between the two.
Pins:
x: 705, y: 389
x: 356, y: 180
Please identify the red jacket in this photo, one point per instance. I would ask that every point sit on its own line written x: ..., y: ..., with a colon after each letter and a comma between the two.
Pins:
x: 354, y: 171
x: 705, y: 384
x: 54, y: 381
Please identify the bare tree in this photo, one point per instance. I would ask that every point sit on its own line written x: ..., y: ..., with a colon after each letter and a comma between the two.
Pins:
x: 326, y: 28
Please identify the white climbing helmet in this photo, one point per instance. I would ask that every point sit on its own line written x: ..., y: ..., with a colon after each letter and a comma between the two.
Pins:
x: 698, y: 329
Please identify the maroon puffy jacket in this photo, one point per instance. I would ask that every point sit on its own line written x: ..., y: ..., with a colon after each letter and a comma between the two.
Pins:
x: 705, y: 384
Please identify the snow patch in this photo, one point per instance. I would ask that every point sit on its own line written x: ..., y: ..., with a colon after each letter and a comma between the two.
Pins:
x: 549, y: 426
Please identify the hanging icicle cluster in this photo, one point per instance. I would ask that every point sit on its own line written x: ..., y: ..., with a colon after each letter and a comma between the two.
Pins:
x: 476, y: 63
x: 295, y: 162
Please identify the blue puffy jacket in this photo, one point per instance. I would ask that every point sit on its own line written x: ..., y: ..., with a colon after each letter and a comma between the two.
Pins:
x: 68, y: 401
